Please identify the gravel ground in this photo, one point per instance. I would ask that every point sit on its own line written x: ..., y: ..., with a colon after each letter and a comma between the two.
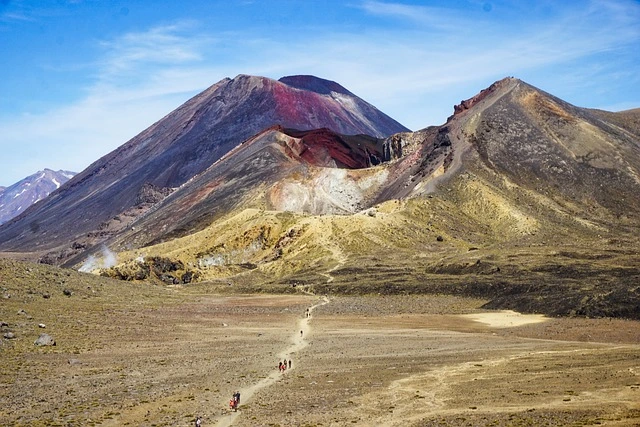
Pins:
x: 150, y: 356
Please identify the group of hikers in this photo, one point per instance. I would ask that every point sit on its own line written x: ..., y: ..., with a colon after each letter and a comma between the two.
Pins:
x: 233, y: 405
x: 282, y: 366
x: 235, y: 401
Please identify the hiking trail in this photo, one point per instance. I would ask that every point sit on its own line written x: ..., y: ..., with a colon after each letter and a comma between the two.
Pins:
x: 298, y: 342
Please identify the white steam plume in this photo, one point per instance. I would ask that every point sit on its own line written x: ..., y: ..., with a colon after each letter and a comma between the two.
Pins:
x: 108, y: 259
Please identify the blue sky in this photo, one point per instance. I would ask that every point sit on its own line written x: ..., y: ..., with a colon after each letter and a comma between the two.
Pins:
x: 80, y: 78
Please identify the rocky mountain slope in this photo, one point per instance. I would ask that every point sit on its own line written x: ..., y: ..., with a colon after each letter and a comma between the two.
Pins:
x: 24, y: 193
x: 519, y: 197
x: 316, y: 171
x: 117, y: 188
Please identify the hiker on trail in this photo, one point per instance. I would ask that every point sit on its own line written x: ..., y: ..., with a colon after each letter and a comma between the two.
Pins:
x: 289, y: 363
x: 235, y: 401
x: 280, y: 366
x: 300, y: 333
x: 198, y: 422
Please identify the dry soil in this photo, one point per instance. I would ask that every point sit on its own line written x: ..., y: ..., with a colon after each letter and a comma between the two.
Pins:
x: 144, y: 355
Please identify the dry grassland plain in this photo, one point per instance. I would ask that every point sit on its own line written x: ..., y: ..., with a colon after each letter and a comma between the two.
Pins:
x: 144, y: 355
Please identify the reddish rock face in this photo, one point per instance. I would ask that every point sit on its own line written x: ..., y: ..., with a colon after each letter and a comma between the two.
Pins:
x: 322, y: 147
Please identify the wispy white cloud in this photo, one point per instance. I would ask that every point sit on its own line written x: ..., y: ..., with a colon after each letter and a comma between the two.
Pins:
x: 434, y: 18
x: 160, y: 46
x: 416, y: 62
x: 14, y: 16
x: 405, y: 72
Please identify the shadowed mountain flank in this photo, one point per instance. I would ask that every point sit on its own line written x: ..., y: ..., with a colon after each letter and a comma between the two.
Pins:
x: 314, y: 84
x: 323, y: 147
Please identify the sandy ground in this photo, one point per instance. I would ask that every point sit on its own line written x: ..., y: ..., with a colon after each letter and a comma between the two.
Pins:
x: 430, y: 365
x: 506, y: 318
x: 394, y: 361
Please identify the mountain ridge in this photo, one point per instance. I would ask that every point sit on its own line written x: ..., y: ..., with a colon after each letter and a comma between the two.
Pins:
x: 18, y: 197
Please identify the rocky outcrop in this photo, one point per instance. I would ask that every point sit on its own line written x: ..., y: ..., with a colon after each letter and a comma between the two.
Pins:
x: 151, y: 194
x: 392, y: 148
x: 45, y: 340
x: 164, y: 269
x: 469, y: 103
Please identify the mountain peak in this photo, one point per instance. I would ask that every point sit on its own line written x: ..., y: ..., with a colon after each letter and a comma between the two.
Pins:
x: 314, y: 84
x: 247, y: 77
x: 185, y: 143
x: 16, y: 198
x: 501, y: 86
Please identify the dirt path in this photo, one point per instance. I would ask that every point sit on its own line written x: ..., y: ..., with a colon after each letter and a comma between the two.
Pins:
x: 336, y: 251
x: 298, y: 341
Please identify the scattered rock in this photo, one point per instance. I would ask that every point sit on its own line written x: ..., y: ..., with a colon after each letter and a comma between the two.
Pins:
x: 46, y: 295
x: 168, y: 279
x: 22, y: 312
x: 3, y: 324
x: 76, y: 245
x: 74, y: 362
x: 45, y: 340
x: 188, y: 276
x: 440, y: 239
x: 151, y: 194
x: 67, y: 292
x: 42, y: 325
x: 9, y: 335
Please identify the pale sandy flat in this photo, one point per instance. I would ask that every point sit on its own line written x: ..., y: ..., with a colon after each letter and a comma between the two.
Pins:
x: 506, y: 318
